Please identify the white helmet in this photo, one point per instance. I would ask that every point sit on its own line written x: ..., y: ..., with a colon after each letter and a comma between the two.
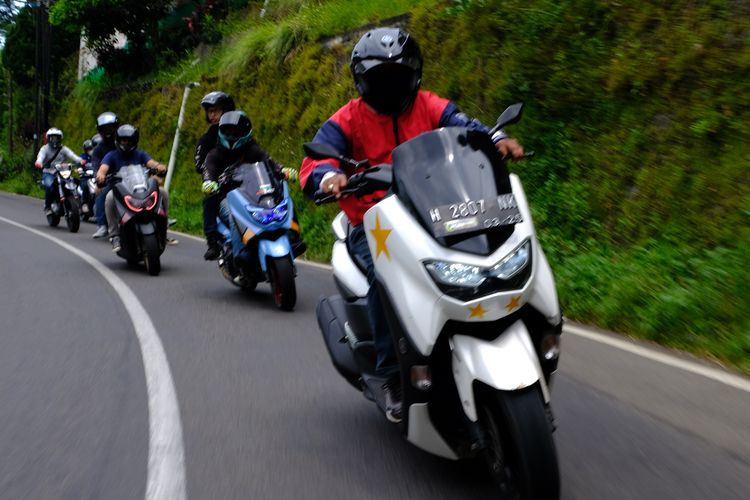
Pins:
x: 54, y: 137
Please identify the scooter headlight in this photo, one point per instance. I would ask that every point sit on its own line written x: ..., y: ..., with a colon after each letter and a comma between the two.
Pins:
x: 466, y: 282
x: 269, y: 215
x: 513, y: 263
x: 453, y: 273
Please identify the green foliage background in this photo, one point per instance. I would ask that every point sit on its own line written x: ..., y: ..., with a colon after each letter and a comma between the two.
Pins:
x: 639, y: 114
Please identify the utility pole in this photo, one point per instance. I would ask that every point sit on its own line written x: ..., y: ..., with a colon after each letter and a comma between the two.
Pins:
x: 42, y: 73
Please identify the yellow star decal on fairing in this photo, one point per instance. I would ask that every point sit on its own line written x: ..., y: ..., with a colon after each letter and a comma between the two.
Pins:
x: 477, y: 312
x: 515, y: 303
x: 380, y: 236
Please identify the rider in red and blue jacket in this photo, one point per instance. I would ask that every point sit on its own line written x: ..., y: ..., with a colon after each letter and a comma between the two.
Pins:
x: 387, y: 68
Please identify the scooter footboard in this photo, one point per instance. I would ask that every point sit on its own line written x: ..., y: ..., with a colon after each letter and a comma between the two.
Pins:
x: 330, y: 313
x: 507, y: 363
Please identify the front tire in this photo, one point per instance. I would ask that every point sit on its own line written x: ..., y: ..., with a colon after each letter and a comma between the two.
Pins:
x: 72, y: 216
x: 151, y: 254
x: 521, y: 453
x: 283, y: 288
x: 53, y: 220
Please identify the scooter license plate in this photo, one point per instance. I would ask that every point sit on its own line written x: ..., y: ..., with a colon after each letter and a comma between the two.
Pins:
x: 474, y: 215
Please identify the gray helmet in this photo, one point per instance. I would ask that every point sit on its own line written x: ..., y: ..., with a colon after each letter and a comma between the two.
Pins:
x: 96, y: 139
x: 217, y: 99
x: 126, y: 138
x: 106, y: 124
x: 88, y: 145
x: 387, y: 69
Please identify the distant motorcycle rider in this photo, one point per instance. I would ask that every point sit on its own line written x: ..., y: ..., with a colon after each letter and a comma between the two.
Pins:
x: 214, y: 104
x: 126, y: 152
x: 52, y: 153
x: 386, y: 65
x: 88, y: 148
x: 106, y: 126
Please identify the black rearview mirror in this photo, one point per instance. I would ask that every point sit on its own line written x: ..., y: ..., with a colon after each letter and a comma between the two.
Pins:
x: 512, y: 114
x: 318, y: 151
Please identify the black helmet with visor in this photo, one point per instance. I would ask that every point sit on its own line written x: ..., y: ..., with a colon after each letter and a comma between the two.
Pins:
x: 219, y: 100
x: 387, y: 69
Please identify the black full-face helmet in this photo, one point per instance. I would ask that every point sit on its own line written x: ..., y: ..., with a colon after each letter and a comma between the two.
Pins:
x: 235, y: 129
x: 217, y: 99
x: 387, y: 69
x: 106, y: 124
x: 126, y: 138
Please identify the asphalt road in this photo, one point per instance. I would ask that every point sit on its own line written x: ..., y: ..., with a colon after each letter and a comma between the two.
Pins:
x: 265, y: 416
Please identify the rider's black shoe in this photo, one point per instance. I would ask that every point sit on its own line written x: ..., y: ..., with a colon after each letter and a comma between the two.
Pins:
x: 214, y: 248
x: 393, y: 400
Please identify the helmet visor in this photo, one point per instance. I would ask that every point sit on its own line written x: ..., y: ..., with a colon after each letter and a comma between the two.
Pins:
x: 390, y: 87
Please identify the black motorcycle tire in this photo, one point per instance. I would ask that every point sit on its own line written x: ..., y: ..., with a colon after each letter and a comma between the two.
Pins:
x: 151, y: 254
x: 283, y: 288
x: 521, y: 453
x: 72, y: 214
x: 53, y: 220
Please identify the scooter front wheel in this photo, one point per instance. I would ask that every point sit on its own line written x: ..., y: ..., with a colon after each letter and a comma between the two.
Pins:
x: 53, y: 220
x: 520, y: 451
x: 281, y: 274
x: 151, y: 254
x: 72, y: 215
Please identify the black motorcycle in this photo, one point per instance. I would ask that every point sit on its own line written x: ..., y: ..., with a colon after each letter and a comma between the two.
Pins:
x: 87, y: 192
x: 67, y: 203
x: 141, y: 216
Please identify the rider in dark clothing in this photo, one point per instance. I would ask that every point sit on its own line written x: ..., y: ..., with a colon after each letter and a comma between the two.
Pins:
x: 237, y: 145
x: 106, y: 125
x: 214, y: 104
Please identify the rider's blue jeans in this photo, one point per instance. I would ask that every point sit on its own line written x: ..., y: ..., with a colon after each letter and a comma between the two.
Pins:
x: 48, y: 181
x: 387, y: 363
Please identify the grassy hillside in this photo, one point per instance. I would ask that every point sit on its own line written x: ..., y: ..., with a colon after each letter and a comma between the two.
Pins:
x: 638, y: 114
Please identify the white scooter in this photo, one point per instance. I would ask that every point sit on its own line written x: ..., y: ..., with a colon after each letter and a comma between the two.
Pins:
x: 470, y: 302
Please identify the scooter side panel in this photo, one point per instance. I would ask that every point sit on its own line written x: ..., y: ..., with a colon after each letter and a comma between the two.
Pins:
x: 346, y: 271
x: 507, y: 363
x: 423, y: 434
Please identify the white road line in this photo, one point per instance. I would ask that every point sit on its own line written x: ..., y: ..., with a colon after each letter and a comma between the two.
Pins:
x: 166, y: 456
x: 698, y: 369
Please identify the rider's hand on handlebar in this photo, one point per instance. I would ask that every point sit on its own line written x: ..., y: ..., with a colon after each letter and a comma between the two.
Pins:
x: 510, y: 148
x: 334, y: 184
x: 210, y: 187
x: 100, y: 178
x: 83, y: 163
x: 38, y: 165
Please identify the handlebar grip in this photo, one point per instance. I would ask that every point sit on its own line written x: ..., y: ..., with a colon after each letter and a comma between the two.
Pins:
x: 320, y: 197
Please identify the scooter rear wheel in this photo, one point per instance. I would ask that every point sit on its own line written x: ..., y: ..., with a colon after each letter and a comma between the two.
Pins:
x: 521, y: 453
x: 281, y: 274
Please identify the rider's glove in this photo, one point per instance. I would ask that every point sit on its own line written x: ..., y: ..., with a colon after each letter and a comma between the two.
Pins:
x: 290, y: 173
x: 210, y: 187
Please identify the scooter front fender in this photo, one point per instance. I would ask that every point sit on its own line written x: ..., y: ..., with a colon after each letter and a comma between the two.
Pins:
x: 145, y: 228
x: 273, y: 248
x: 507, y: 363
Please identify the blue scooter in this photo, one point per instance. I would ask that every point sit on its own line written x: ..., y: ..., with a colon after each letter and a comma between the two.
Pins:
x: 258, y: 215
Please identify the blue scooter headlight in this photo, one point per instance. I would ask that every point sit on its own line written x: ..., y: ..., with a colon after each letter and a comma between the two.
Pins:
x: 269, y: 215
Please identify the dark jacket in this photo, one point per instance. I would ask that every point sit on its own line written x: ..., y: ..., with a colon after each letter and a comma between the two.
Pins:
x: 100, y: 151
x: 220, y: 158
x: 206, y: 143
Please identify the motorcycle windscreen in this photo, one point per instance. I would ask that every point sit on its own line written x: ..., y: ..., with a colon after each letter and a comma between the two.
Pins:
x: 257, y: 184
x: 134, y: 177
x: 456, y: 184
